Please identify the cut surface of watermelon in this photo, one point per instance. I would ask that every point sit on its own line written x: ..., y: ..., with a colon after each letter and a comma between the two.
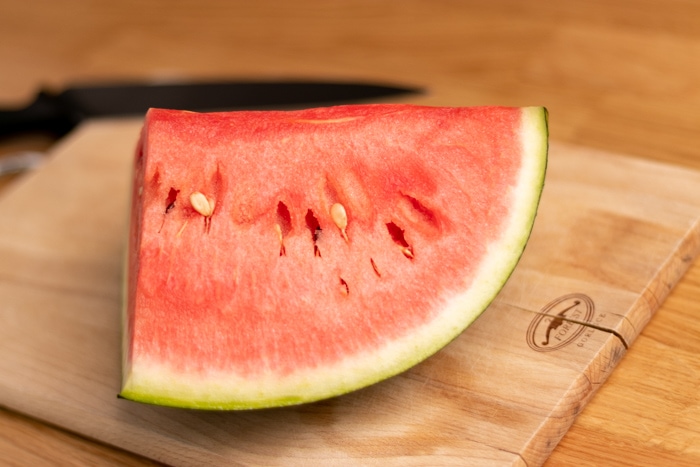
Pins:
x: 283, y: 257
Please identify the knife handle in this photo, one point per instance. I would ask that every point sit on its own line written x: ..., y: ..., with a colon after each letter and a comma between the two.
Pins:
x: 47, y: 113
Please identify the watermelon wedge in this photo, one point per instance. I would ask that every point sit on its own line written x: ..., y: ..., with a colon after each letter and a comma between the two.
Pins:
x: 278, y: 258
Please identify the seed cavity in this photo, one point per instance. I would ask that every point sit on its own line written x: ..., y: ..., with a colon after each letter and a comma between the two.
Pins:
x: 170, y: 200
x: 344, y: 289
x: 374, y: 266
x: 284, y: 225
x: 155, y: 180
x: 284, y: 218
x: 397, y: 235
x: 419, y: 212
x: 340, y: 218
x: 315, y: 229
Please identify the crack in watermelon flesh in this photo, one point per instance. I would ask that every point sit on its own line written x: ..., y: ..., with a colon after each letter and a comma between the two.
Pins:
x: 278, y: 258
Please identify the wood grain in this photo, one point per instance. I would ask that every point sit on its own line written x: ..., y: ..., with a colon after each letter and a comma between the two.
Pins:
x: 26, y: 441
x: 621, y: 76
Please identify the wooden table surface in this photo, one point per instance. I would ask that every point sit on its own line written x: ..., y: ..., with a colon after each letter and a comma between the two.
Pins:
x: 622, y: 76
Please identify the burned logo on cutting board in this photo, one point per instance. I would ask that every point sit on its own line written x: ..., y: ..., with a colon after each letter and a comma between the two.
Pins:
x: 561, y: 322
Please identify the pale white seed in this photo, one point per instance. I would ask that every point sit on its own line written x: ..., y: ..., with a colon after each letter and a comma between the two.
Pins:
x: 202, y: 204
x: 340, y: 218
x: 278, y: 229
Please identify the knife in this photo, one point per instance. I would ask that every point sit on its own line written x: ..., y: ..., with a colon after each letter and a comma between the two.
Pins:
x: 59, y: 113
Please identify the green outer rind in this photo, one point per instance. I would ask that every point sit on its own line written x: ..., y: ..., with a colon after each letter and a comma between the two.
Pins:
x: 155, y: 386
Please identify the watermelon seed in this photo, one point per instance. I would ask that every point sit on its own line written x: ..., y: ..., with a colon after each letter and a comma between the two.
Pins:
x: 278, y: 229
x: 345, y: 290
x: 202, y: 204
x: 340, y: 218
x: 374, y: 266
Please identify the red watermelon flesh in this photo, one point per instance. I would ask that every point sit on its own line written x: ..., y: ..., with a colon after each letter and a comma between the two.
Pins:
x: 281, y: 257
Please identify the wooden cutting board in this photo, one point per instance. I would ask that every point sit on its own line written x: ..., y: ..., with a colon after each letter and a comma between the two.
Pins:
x: 613, y: 236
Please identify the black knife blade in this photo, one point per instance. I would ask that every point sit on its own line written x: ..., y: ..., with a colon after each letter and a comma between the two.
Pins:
x: 59, y: 113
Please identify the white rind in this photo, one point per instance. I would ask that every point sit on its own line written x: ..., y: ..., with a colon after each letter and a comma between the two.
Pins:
x: 225, y: 391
